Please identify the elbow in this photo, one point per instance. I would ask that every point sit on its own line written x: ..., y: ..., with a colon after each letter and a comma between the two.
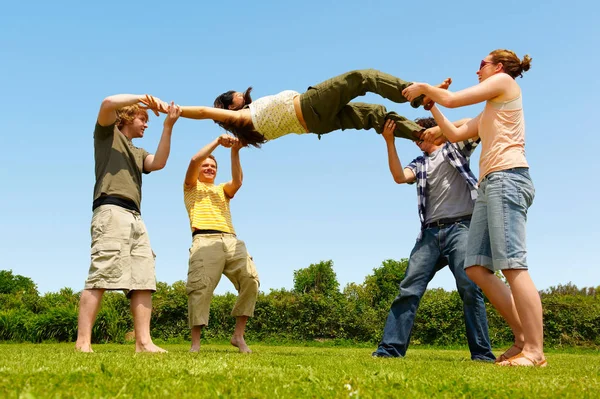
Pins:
x: 158, y: 166
x: 450, y: 103
x: 108, y: 103
x: 399, y: 179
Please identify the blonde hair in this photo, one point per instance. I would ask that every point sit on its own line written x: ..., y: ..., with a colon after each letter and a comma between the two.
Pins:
x: 126, y: 115
x: 511, y: 64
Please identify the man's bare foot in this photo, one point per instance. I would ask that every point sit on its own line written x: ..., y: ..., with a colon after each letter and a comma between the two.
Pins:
x: 240, y: 343
x: 427, y: 101
x: 195, y: 348
x: 150, y: 348
x: 83, y: 348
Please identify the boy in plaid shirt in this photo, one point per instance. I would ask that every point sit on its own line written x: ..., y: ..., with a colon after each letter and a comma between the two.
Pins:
x: 446, y: 193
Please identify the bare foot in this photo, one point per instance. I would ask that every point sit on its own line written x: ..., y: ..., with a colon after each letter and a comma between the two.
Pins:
x: 195, y: 349
x: 86, y: 348
x: 150, y: 348
x: 427, y: 101
x: 240, y: 343
x: 510, y: 352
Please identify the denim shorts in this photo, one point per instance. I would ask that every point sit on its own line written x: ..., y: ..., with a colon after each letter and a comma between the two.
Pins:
x: 497, y: 233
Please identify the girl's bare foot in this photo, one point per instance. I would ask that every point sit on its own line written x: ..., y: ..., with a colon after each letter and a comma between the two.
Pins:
x: 444, y: 85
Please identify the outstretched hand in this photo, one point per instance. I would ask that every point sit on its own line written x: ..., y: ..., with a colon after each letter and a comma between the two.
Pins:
x: 154, y: 104
x: 227, y: 141
x: 173, y: 113
x: 413, y: 91
x: 433, y: 135
x: 238, y: 144
x: 388, y: 130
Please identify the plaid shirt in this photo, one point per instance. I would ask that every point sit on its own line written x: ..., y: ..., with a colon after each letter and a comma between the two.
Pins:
x: 457, y: 154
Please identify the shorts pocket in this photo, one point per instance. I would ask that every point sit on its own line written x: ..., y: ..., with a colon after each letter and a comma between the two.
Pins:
x: 251, y: 269
x: 106, y: 258
x: 196, y: 280
x: 99, y: 221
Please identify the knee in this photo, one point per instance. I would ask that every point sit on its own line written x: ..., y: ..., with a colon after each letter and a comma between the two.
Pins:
x: 249, y: 286
x: 470, y: 293
x: 365, y: 74
x: 411, y: 290
x: 472, y: 273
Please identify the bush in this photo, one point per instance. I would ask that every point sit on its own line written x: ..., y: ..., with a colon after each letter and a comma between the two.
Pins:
x: 315, y: 310
x: 57, y: 324
x: 15, y: 325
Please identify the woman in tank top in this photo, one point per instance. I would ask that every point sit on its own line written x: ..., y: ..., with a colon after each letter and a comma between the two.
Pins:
x: 323, y: 108
x: 497, y: 233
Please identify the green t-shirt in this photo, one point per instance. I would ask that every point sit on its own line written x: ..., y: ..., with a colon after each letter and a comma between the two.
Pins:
x: 119, y: 164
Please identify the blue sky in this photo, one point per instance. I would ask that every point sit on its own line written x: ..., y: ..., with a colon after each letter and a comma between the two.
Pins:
x: 304, y: 200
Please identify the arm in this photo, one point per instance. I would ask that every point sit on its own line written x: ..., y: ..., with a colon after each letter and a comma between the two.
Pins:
x: 159, y: 160
x: 434, y: 134
x: 193, y: 170
x: 108, y: 109
x: 399, y: 174
x: 237, y: 176
x: 216, y: 114
x: 494, y: 86
x: 453, y: 133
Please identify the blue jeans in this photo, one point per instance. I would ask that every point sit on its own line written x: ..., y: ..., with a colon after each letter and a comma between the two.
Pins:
x: 447, y: 244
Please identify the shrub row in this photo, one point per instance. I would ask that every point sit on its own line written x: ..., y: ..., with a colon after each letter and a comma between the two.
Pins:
x: 570, y: 318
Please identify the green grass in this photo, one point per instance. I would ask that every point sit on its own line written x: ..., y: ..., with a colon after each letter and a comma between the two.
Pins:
x: 54, y: 370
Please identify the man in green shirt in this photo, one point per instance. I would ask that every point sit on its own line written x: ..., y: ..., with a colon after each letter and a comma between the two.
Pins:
x: 121, y: 256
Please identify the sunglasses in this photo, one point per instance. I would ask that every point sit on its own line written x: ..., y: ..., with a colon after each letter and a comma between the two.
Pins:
x: 484, y: 63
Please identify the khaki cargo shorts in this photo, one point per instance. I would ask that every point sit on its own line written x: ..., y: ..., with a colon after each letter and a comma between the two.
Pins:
x: 211, y: 256
x: 121, y: 256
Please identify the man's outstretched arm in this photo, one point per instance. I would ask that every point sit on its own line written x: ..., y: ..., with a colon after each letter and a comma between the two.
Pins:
x: 193, y: 170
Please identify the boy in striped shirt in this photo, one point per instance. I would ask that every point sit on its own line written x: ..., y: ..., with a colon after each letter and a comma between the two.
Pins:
x: 215, y: 248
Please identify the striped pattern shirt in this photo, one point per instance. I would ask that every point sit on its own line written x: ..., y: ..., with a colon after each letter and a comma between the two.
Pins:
x: 207, y: 206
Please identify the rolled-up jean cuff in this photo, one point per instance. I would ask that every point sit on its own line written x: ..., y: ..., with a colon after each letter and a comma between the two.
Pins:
x: 479, y: 260
x: 502, y: 264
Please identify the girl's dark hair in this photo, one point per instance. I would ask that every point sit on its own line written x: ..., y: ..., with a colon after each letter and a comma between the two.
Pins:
x: 226, y: 99
x: 243, y: 131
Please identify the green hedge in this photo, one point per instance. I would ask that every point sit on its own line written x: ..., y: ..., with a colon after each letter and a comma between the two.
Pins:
x: 571, y: 315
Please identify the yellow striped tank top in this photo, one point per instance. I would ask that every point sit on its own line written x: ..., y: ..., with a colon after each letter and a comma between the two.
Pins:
x: 207, y: 206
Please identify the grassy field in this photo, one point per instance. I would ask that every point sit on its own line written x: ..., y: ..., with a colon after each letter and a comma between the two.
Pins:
x: 54, y: 370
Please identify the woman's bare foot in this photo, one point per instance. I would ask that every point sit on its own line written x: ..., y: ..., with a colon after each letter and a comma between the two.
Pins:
x: 195, y: 349
x: 444, y: 85
x: 240, y: 343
